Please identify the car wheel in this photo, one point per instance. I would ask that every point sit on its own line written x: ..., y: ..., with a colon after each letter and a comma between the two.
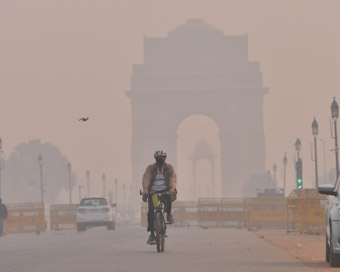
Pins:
x: 80, y: 227
x: 334, y: 259
x: 111, y: 226
x: 327, y: 250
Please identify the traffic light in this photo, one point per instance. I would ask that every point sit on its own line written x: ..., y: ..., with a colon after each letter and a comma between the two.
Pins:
x: 298, y: 167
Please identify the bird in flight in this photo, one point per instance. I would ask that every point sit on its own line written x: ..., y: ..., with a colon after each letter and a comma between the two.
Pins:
x: 84, y: 119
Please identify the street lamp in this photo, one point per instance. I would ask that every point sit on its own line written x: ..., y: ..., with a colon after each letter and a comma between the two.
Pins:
x: 335, y: 114
x: 315, y: 130
x: 285, y: 161
x: 298, y: 147
x: 88, y: 182
x: 116, y: 192
x: 324, y: 160
x: 40, y: 162
x: 124, y: 195
x: 274, y: 171
x: 69, y: 168
x: 104, y: 184
x: 79, y: 188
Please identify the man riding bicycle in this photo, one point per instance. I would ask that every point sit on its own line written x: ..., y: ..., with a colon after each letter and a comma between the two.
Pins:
x: 159, y: 177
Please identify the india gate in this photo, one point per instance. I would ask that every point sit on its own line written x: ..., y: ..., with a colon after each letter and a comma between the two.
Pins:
x: 197, y: 69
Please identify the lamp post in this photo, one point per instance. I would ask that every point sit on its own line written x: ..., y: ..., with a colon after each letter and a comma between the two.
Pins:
x: 40, y: 162
x: 315, y: 130
x: 124, y: 195
x: 324, y: 160
x: 0, y: 163
x: 69, y: 168
x: 116, y: 193
x: 285, y: 161
x: 104, y: 184
x: 268, y: 179
x: 88, y: 182
x: 274, y: 171
x: 335, y: 114
x: 79, y: 188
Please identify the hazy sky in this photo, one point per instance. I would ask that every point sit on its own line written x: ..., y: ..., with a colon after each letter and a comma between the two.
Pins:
x: 65, y: 59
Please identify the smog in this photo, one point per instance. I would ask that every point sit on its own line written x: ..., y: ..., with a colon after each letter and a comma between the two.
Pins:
x: 182, y: 135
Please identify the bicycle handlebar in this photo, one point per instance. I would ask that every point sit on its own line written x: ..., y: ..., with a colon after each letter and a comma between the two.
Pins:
x: 164, y: 193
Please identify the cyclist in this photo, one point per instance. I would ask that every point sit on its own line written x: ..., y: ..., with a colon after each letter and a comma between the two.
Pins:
x: 159, y: 177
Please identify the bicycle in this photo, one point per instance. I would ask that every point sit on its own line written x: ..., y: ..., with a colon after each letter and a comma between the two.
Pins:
x: 159, y: 221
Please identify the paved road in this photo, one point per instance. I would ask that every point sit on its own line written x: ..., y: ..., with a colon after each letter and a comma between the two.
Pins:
x: 99, y: 250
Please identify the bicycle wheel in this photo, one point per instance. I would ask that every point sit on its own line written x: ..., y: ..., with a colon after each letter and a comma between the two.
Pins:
x: 159, y: 231
x: 163, y: 235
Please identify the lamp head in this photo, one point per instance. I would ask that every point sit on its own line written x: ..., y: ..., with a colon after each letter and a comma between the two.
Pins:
x: 334, y: 109
x: 274, y: 167
x: 40, y: 160
x: 285, y: 160
x: 298, y: 145
x: 315, y: 127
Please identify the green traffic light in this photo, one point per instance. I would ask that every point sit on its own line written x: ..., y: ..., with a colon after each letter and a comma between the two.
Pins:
x: 299, y: 181
x: 300, y: 187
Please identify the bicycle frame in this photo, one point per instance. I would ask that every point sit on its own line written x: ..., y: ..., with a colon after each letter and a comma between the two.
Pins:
x: 159, y: 221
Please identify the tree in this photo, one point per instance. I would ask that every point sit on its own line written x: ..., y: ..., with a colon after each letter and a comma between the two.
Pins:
x: 21, y: 174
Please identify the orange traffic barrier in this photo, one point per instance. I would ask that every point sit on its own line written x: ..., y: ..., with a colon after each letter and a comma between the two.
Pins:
x: 25, y: 217
x: 222, y: 212
x: 266, y: 212
x: 63, y: 216
x: 306, y: 211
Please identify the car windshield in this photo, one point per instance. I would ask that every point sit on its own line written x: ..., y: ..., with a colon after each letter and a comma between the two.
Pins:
x: 93, y: 202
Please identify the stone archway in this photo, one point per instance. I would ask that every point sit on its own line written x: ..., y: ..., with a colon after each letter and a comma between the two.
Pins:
x: 204, y: 151
x: 198, y: 70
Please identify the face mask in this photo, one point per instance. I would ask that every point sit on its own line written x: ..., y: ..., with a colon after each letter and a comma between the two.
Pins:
x: 160, y: 161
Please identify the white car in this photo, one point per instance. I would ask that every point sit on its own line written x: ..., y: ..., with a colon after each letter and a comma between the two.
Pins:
x: 95, y: 211
x: 332, y: 220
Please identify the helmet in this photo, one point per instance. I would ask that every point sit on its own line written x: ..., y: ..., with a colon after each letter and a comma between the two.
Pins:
x: 159, y: 153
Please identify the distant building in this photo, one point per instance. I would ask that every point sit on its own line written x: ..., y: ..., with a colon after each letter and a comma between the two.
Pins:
x: 198, y: 70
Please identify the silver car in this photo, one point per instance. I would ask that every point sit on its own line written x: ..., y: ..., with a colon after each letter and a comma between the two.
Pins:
x: 332, y: 217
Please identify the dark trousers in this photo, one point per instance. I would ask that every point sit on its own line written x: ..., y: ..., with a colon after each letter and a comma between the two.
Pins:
x: 166, y: 199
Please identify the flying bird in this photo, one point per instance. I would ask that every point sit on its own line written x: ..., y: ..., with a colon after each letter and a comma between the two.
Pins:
x: 84, y: 119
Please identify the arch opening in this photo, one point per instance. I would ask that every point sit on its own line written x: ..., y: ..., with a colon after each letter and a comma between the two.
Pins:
x: 198, y: 158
